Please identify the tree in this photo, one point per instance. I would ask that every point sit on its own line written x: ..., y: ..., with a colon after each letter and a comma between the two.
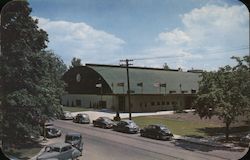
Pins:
x: 225, y: 93
x: 165, y: 66
x: 30, y: 74
x: 75, y: 62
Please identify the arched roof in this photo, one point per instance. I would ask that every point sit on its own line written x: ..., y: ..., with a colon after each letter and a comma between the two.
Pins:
x: 177, y: 81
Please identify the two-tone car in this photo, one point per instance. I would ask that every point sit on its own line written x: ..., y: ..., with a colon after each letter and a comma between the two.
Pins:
x: 52, y: 132
x: 67, y: 115
x: 81, y: 118
x: 156, y: 131
x: 103, y: 122
x: 127, y: 126
x: 59, y: 151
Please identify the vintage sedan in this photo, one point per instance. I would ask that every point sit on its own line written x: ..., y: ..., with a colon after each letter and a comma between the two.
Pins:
x: 103, y: 122
x: 82, y: 118
x: 157, y: 132
x: 59, y: 151
x: 127, y: 126
x: 75, y: 139
x: 52, y: 132
x: 67, y: 115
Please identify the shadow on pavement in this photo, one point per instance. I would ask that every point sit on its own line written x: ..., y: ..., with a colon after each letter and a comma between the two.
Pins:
x: 192, y: 146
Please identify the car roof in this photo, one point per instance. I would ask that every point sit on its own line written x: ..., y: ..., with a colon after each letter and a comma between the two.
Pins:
x: 66, y: 112
x: 128, y: 121
x: 49, y: 126
x: 82, y: 114
x: 104, y: 117
x: 59, y: 145
x: 158, y: 125
x: 73, y: 134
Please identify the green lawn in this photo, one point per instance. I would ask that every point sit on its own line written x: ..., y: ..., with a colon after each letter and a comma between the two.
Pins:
x: 76, y: 109
x: 179, y: 127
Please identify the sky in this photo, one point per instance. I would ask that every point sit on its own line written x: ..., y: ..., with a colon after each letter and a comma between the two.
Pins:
x: 187, y: 34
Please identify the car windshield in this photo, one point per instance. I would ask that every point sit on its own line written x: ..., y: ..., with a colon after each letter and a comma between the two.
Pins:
x: 55, y: 149
x: 107, y: 120
x: 164, y: 128
x: 131, y: 123
x: 72, y: 138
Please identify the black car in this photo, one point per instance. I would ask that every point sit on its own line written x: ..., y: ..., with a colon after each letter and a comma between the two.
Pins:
x: 75, y: 139
x: 128, y: 126
x: 103, y: 122
x: 82, y: 118
x: 156, y: 131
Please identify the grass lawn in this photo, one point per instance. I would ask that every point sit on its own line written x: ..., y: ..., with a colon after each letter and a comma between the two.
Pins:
x: 76, y: 109
x: 179, y: 127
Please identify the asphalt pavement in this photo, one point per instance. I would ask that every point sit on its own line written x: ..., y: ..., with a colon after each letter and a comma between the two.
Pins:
x: 106, y: 144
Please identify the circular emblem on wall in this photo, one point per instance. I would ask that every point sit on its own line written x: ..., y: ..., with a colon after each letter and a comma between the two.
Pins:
x: 78, y: 77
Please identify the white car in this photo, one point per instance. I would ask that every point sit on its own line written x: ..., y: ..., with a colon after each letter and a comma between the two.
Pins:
x: 59, y: 151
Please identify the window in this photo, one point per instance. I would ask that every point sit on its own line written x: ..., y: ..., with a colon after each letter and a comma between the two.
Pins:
x: 152, y: 103
x: 174, y: 103
x: 167, y: 102
x: 141, y: 104
x: 162, y: 103
x: 145, y: 105
x: 78, y: 102
x: 193, y: 91
x: 158, y: 103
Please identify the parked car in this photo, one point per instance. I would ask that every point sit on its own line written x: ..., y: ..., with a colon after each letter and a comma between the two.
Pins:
x: 81, y: 118
x: 67, y: 115
x: 59, y: 151
x: 157, y: 132
x: 44, y: 126
x: 128, y: 126
x: 52, y: 132
x: 75, y: 139
x: 245, y: 141
x: 103, y: 122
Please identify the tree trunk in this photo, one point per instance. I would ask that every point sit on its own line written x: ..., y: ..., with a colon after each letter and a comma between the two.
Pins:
x: 227, y: 130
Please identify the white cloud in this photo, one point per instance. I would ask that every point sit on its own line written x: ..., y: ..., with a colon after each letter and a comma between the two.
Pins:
x: 80, y: 40
x: 206, y: 33
x: 174, y: 37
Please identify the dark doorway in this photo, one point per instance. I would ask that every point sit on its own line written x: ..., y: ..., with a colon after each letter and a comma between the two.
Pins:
x: 78, y: 102
x: 121, y: 103
x: 102, y: 104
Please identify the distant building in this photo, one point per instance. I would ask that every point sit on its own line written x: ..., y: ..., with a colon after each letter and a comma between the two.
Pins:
x: 152, y: 89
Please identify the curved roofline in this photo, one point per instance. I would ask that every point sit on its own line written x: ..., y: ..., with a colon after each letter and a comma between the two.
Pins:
x: 136, y: 67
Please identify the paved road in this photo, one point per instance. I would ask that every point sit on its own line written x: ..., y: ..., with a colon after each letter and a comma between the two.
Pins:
x: 104, y: 144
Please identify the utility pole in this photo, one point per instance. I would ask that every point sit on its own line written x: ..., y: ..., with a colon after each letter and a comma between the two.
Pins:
x: 128, y: 91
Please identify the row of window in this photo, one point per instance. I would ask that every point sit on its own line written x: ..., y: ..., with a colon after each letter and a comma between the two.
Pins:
x: 158, y: 103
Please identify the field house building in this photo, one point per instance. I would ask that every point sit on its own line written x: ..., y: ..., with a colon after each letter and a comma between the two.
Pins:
x: 152, y: 89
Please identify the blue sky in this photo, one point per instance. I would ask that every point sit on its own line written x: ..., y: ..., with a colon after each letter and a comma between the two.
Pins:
x: 200, y: 34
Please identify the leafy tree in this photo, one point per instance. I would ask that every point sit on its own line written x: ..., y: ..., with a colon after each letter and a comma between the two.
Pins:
x: 165, y: 66
x: 225, y: 93
x: 75, y: 62
x: 30, y: 75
